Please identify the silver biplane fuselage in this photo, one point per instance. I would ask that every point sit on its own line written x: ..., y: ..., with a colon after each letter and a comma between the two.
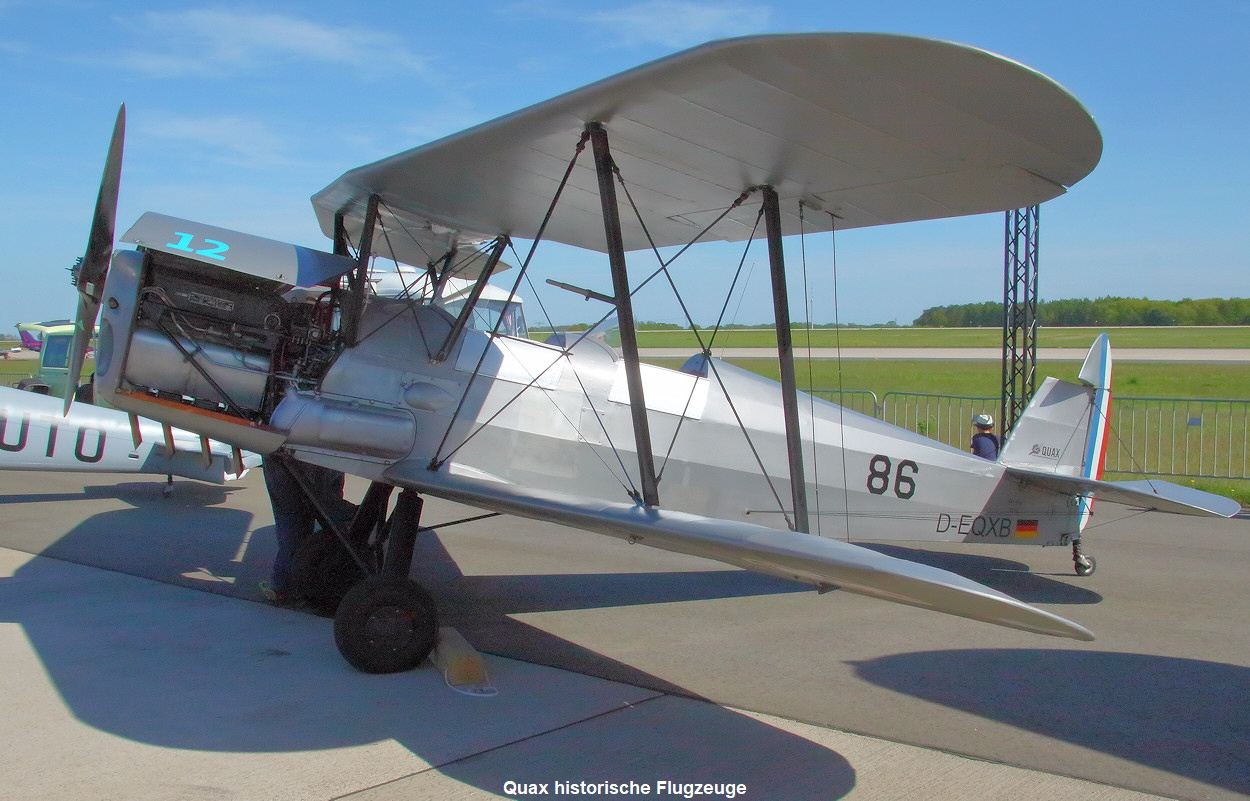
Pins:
x: 542, y: 417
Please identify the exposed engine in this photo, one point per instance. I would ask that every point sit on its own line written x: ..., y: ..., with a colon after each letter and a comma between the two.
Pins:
x: 226, y: 338
x: 186, y: 327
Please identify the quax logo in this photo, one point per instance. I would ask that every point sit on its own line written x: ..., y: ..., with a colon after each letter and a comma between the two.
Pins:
x: 1045, y: 451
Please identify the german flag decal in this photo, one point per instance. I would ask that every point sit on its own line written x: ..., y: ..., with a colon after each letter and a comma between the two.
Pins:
x: 1026, y: 529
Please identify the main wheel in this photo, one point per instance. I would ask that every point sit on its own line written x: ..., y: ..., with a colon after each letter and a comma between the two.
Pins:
x: 322, y: 572
x: 386, y: 625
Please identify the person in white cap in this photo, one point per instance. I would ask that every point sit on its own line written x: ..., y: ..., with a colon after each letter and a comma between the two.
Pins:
x: 985, y: 441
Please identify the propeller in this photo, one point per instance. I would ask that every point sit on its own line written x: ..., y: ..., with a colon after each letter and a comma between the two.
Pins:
x: 91, y: 272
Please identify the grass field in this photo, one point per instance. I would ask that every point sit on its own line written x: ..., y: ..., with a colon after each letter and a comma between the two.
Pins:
x: 984, y: 378
x: 11, y: 371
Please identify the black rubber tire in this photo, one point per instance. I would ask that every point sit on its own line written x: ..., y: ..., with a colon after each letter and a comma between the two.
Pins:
x: 1087, y: 569
x: 322, y: 572
x: 386, y: 625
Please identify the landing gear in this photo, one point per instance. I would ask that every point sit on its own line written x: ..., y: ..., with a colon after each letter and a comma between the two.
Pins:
x: 386, y: 625
x: 1082, y: 563
x: 383, y: 621
x: 342, y: 551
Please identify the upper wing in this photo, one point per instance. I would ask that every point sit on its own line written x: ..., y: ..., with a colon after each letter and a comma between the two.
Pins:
x: 788, y: 554
x: 872, y: 128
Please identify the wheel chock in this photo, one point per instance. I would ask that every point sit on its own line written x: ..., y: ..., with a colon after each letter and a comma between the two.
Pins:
x: 461, y: 665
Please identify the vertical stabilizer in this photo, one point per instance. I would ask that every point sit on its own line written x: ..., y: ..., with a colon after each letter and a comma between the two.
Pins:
x: 1064, y: 428
x: 28, y: 341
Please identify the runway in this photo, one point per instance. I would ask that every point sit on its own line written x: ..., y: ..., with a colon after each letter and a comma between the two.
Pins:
x: 1211, y: 355
x: 136, y: 663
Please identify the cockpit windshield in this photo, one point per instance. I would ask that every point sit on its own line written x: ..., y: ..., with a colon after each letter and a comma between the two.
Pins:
x: 488, y: 312
x: 56, y: 350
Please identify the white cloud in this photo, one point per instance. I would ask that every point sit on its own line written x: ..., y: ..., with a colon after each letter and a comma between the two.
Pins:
x: 219, y: 41
x: 678, y: 23
x: 238, y: 141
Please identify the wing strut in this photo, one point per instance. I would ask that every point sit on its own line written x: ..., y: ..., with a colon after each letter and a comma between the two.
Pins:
x: 785, y: 358
x: 360, y: 278
x: 624, y: 313
x: 466, y: 311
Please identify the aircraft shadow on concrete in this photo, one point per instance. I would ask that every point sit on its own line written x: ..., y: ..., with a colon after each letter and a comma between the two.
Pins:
x: 207, y: 687
x: 156, y: 535
x: 1005, y: 575
x: 1178, y: 715
x: 1183, y: 716
x: 483, y: 607
x: 136, y: 493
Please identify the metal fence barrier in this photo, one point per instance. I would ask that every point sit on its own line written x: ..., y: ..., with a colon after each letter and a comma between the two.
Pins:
x: 1200, y: 438
x: 1194, y: 438
x: 863, y: 401
x: 946, y: 418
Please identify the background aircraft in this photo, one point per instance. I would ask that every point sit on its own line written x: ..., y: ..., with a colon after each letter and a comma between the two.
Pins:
x: 29, y: 340
x: 54, y: 345
x: 35, y: 434
x: 283, y: 350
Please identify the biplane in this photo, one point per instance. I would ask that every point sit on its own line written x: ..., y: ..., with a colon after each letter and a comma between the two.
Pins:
x: 285, y: 351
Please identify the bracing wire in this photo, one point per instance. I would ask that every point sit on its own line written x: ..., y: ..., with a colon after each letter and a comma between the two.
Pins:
x: 811, y: 399
x: 837, y: 343
x: 706, y: 348
x: 720, y: 320
x: 438, y: 459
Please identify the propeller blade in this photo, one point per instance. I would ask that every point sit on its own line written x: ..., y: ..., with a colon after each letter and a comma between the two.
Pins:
x: 91, y: 272
x: 84, y: 327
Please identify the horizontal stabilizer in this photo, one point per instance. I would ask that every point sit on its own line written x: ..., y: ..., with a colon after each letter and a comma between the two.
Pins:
x: 792, y: 555
x: 1162, y: 496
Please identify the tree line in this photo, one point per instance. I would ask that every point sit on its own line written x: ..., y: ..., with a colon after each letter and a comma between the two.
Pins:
x: 1101, y: 311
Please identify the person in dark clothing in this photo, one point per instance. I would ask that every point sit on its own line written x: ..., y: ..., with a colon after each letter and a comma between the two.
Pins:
x: 294, y: 518
x: 984, y: 442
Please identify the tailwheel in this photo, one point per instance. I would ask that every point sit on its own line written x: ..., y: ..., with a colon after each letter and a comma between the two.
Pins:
x: 386, y: 625
x: 1084, y: 564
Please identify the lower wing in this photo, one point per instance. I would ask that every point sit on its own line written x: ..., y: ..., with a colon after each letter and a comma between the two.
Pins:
x: 824, y: 563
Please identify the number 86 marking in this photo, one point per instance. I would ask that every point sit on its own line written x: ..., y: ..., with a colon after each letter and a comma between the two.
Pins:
x: 879, y: 476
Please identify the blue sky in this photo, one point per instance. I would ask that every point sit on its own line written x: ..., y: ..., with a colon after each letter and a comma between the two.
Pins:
x: 239, y: 112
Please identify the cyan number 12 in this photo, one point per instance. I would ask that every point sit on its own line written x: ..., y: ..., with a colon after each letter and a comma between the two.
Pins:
x: 185, y: 240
